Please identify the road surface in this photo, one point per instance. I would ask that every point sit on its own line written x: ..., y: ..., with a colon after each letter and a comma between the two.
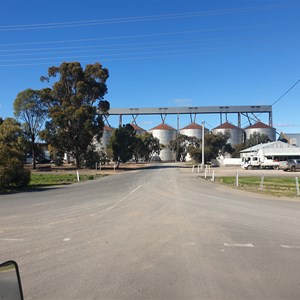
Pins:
x: 157, y: 233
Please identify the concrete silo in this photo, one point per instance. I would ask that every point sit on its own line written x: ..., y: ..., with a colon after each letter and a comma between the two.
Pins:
x: 165, y: 134
x: 193, y: 129
x: 236, y: 133
x: 261, y: 128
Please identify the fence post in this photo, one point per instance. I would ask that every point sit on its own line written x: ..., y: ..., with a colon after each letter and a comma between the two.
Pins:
x: 297, y: 186
x: 237, y: 178
x: 198, y: 168
x: 193, y: 168
x: 78, y: 178
x: 213, y: 176
x: 262, y: 182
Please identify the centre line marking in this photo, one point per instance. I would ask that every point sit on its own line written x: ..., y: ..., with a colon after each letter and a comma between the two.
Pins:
x: 133, y: 191
x: 249, y: 245
x: 289, y: 247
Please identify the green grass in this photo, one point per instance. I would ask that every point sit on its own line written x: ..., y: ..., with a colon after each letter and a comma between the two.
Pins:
x: 46, y: 180
x: 279, y: 186
x: 40, y: 180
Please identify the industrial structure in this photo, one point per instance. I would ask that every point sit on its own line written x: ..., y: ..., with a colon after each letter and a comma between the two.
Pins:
x: 166, y: 133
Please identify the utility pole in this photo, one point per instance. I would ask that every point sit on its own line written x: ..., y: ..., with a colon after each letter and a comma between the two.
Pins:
x: 202, y: 161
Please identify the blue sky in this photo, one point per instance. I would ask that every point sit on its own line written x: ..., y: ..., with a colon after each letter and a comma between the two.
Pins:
x: 161, y: 53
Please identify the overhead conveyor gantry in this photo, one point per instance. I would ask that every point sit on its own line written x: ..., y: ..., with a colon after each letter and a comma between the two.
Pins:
x: 245, y: 110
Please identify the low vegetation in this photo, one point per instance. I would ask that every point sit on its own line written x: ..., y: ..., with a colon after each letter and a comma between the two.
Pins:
x: 278, y: 186
x: 46, y: 180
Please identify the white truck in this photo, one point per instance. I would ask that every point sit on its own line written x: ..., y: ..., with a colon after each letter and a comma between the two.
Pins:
x: 258, y: 162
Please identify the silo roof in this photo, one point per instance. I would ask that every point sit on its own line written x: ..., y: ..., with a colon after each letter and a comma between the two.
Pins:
x: 107, y: 128
x: 163, y: 126
x: 227, y: 125
x: 258, y: 125
x: 136, y: 127
x: 193, y: 126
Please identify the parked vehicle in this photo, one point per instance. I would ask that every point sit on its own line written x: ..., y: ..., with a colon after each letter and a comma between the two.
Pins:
x: 257, y: 162
x: 290, y: 165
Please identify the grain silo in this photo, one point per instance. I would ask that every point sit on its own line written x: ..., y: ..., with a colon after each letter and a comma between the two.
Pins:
x: 193, y: 129
x: 261, y: 128
x: 138, y: 130
x: 107, y: 133
x: 236, y: 133
x: 165, y: 134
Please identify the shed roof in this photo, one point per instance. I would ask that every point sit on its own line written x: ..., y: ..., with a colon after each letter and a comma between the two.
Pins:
x: 270, y: 145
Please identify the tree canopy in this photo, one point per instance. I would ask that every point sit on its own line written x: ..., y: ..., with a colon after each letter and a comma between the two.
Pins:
x: 122, y: 143
x: 257, y: 138
x: 12, y: 170
x: 31, y: 109
x: 214, y: 145
x: 146, y: 146
x: 74, y: 101
x: 182, y: 144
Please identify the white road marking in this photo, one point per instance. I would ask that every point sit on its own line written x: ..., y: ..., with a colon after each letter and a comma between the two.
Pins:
x: 67, y: 239
x: 289, y: 247
x: 249, y: 245
x: 117, y: 203
x: 12, y: 240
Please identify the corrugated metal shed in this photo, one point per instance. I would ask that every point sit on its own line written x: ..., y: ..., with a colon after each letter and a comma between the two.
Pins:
x: 271, y: 145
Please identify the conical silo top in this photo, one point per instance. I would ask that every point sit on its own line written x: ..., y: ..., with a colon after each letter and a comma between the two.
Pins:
x: 137, y: 128
x: 163, y: 126
x: 258, y: 125
x: 227, y: 125
x: 107, y: 128
x: 192, y: 126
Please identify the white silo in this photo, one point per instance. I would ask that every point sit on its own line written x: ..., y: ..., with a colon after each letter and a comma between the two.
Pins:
x: 261, y: 128
x: 236, y: 133
x: 165, y: 134
x: 193, y: 129
x: 107, y: 133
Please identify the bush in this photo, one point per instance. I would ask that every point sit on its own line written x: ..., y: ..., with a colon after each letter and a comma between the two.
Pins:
x: 12, y: 172
x: 14, y: 175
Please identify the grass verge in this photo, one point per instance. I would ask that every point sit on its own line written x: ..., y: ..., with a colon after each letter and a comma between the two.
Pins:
x: 48, y: 180
x: 276, y: 186
x: 40, y: 180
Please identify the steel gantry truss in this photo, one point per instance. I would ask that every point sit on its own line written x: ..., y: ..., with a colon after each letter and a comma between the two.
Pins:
x: 250, y: 111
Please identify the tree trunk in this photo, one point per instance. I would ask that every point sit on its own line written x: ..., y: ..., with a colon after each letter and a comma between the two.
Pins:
x: 33, y: 152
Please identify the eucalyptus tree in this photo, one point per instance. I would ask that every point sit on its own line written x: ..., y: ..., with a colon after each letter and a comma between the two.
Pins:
x: 122, y: 143
x: 74, y: 101
x: 12, y: 170
x: 30, y: 108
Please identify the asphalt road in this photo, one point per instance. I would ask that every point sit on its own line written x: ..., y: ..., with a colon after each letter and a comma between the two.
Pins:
x: 159, y: 233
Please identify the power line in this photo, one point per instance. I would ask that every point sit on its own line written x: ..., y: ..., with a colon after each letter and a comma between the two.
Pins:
x: 282, y: 95
x: 285, y: 93
x: 134, y: 36
x: 142, y: 18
